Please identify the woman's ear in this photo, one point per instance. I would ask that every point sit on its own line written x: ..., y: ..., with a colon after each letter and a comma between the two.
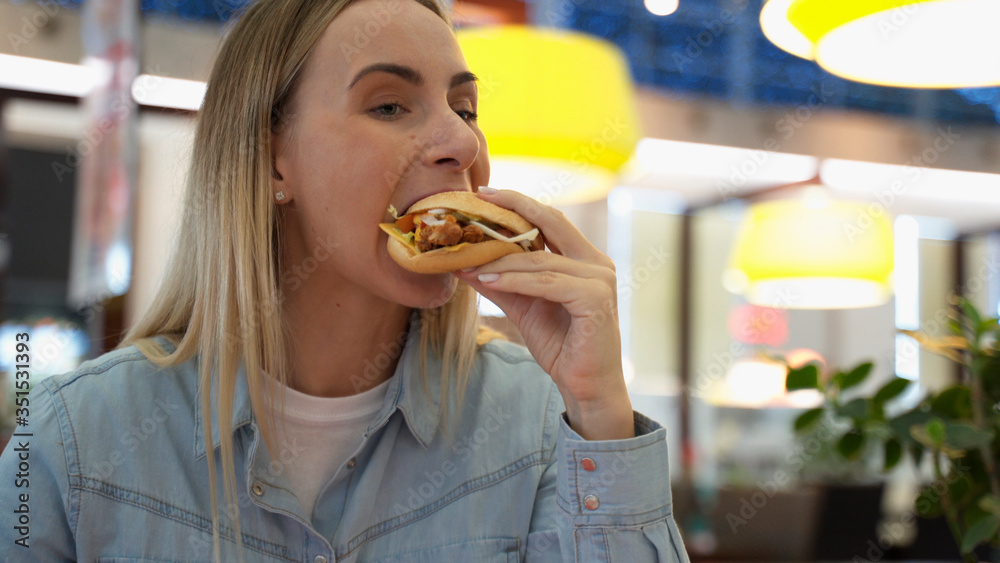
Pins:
x: 279, y: 187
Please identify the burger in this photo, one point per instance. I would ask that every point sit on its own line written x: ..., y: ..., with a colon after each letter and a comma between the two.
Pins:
x: 451, y: 231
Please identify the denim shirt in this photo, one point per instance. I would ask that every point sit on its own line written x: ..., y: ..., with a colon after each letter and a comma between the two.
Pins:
x: 117, y: 472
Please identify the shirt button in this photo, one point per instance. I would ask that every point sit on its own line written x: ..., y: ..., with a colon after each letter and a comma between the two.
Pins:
x: 351, y: 463
x: 591, y: 502
x: 258, y: 488
x: 319, y: 559
x: 588, y: 464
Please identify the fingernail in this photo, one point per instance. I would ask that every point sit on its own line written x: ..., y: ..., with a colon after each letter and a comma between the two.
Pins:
x: 486, y: 278
x: 487, y: 190
x: 467, y: 269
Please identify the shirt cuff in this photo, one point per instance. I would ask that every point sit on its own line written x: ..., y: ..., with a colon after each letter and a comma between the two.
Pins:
x: 627, y: 477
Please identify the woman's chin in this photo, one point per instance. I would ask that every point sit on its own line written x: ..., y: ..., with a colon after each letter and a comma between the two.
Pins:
x: 427, y: 291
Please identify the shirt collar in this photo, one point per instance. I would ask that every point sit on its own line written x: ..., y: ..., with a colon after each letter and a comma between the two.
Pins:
x: 421, y: 408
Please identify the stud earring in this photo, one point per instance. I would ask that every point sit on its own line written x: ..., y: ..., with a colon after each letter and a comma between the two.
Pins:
x: 279, y: 196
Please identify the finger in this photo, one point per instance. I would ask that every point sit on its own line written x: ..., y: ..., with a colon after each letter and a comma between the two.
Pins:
x: 560, y: 234
x: 542, y: 261
x: 509, y: 303
x: 580, y: 296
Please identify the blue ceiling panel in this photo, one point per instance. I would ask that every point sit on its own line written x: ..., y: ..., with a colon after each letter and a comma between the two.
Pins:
x: 716, y: 49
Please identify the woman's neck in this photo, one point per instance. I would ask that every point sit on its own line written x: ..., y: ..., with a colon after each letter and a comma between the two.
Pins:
x: 342, y: 342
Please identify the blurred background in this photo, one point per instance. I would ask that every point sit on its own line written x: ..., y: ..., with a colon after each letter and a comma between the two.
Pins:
x: 703, y: 157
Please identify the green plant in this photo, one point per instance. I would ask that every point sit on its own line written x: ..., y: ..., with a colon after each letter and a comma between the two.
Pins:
x: 956, y: 429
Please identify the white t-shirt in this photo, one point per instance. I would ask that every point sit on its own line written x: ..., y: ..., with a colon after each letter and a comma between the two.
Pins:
x: 326, y: 431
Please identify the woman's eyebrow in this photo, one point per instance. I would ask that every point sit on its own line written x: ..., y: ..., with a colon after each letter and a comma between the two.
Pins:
x: 462, y: 78
x: 409, y: 74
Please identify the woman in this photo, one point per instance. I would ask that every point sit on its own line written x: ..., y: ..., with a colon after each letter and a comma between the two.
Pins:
x: 347, y: 402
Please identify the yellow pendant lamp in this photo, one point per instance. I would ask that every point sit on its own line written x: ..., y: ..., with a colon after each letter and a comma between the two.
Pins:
x: 557, y: 108
x: 909, y: 43
x: 812, y: 252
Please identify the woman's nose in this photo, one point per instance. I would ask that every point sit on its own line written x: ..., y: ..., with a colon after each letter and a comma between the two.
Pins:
x: 453, y: 143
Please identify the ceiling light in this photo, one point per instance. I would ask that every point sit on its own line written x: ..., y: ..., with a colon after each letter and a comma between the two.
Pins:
x: 662, y: 7
x: 45, y: 77
x: 557, y: 108
x: 890, y: 182
x: 909, y: 43
x: 165, y: 92
x: 794, y: 254
x: 739, y: 166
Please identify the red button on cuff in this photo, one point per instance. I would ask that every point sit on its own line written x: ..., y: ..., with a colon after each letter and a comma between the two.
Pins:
x: 588, y: 464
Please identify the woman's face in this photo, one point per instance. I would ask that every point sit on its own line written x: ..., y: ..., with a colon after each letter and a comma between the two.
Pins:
x: 383, y: 115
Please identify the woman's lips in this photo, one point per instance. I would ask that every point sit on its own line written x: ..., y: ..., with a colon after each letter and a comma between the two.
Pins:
x: 402, y: 210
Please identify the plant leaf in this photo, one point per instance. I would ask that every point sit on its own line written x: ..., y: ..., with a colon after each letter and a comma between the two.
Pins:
x: 921, y: 435
x: 936, y: 431
x: 808, y: 419
x: 891, y: 389
x: 893, y: 453
x: 971, y: 313
x: 854, y: 377
x: 856, y: 409
x: 805, y: 377
x: 947, y: 346
x: 990, y: 504
x: 980, y: 364
x: 902, y: 425
x: 953, y: 402
x: 955, y: 327
x: 928, y: 503
x: 933, y: 436
x: 980, y: 532
x: 965, y: 437
x: 850, y: 444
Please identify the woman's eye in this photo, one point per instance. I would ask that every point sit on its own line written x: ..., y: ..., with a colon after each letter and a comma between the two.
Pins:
x: 390, y: 110
x: 467, y: 115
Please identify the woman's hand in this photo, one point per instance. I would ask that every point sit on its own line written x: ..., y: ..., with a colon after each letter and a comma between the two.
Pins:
x: 564, y: 303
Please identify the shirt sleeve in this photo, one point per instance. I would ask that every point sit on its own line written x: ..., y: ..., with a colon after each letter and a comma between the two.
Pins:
x: 34, y: 525
x: 606, y: 500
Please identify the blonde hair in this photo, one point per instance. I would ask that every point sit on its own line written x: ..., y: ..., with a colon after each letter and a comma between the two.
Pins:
x: 221, y: 297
